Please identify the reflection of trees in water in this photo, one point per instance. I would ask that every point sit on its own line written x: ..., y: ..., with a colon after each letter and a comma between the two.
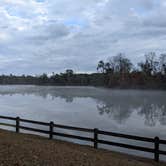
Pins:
x: 68, y: 99
x: 114, y: 112
x: 117, y: 104
x: 163, y: 117
x: 152, y: 113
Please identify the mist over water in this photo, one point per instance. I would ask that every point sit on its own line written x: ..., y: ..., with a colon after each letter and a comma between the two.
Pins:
x: 134, y: 112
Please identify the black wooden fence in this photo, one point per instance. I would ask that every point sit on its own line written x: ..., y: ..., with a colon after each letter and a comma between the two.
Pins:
x: 96, y: 132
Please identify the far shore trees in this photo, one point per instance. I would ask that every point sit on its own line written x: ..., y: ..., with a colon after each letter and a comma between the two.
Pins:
x: 117, y: 72
x: 120, y: 72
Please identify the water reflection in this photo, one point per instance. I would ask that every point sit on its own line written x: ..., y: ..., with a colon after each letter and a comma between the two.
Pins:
x: 115, y: 112
x: 118, y: 105
x: 151, y: 112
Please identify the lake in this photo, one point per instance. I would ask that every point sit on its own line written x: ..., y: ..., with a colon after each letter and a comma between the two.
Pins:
x: 136, y: 112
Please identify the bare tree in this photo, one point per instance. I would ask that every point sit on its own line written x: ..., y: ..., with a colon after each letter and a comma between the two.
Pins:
x: 120, y: 64
x: 150, y: 66
x: 163, y: 63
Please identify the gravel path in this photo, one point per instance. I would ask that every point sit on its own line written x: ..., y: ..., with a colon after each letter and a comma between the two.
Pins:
x: 29, y: 150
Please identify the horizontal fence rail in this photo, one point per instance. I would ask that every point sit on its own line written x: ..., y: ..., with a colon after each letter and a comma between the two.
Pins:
x: 96, y: 132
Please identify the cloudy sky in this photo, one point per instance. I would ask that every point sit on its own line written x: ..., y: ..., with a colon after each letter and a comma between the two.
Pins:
x: 39, y: 36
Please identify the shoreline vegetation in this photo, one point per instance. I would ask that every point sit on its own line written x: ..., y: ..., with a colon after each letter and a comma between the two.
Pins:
x: 26, y: 149
x: 117, y: 72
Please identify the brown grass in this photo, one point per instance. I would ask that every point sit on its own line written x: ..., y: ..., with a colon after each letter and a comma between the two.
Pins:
x: 29, y: 150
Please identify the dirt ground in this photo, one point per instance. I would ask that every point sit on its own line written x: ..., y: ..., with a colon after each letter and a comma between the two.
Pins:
x: 30, y: 150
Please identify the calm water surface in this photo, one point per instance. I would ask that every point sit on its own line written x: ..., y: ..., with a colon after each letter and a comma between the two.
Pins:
x: 127, y: 111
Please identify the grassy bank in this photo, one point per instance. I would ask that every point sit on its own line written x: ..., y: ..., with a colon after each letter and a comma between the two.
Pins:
x: 29, y: 150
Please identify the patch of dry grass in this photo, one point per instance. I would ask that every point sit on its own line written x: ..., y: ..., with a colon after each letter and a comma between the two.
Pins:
x: 29, y: 150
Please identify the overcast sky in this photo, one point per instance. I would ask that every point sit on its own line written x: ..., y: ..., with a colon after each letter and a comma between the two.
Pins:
x: 39, y: 36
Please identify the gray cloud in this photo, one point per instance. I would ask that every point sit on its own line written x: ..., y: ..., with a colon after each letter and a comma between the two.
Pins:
x: 49, y: 35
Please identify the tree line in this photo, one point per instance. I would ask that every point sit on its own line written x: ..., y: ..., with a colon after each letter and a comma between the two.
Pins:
x: 117, y: 72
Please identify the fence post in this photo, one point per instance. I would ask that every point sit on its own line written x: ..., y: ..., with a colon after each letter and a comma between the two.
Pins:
x: 51, y: 130
x: 17, y: 124
x: 95, y: 138
x: 156, y: 148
